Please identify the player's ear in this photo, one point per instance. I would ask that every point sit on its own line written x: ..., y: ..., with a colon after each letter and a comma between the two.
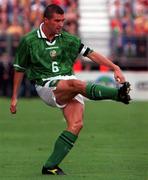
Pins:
x: 45, y: 20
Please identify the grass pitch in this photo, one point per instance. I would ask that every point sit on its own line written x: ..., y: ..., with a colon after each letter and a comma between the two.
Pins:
x: 113, y: 144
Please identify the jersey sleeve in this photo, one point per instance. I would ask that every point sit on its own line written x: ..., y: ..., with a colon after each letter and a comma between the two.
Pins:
x: 84, y: 50
x: 22, y: 56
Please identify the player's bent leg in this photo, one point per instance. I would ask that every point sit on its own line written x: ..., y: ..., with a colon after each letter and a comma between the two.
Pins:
x: 67, y: 89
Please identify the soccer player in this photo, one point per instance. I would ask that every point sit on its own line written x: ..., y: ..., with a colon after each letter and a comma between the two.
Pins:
x: 47, y: 55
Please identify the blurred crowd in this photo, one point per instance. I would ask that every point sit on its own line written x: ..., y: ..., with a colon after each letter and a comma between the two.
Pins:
x: 129, y: 25
x: 18, y: 17
x: 128, y: 22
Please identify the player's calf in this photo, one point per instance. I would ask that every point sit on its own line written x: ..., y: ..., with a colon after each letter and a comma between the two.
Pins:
x: 99, y: 92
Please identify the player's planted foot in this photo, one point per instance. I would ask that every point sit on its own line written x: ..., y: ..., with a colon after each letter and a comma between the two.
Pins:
x: 53, y: 171
x: 123, y: 93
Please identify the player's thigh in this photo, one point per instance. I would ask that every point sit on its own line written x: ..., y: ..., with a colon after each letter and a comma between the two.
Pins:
x: 68, y: 89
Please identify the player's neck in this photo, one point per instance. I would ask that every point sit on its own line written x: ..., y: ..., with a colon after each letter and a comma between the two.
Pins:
x: 49, y: 35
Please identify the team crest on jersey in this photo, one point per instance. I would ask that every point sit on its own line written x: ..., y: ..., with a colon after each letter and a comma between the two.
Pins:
x: 53, y: 53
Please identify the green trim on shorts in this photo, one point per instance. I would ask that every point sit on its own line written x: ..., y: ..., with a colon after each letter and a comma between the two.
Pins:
x: 54, y: 83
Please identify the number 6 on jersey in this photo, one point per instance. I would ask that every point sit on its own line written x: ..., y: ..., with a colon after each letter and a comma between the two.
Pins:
x: 55, y: 67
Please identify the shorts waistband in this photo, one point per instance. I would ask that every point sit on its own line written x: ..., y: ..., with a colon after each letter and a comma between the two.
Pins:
x: 43, y: 81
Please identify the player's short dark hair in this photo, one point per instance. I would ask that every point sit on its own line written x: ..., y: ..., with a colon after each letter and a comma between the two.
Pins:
x: 51, y: 9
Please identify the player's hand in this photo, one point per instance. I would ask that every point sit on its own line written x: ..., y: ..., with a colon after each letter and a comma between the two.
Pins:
x: 119, y: 76
x: 13, y: 105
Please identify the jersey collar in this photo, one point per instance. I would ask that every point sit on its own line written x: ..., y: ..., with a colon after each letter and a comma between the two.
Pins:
x: 41, y: 34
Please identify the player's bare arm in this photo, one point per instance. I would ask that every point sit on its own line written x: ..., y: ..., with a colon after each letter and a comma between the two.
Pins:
x: 102, y: 60
x: 18, y: 76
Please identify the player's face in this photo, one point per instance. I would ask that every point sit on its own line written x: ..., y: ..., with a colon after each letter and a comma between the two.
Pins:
x: 55, y: 24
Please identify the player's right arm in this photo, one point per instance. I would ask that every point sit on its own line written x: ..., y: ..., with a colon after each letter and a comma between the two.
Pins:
x: 20, y: 66
x: 18, y: 76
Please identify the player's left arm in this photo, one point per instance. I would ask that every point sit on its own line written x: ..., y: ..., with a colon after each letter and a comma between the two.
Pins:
x: 102, y: 60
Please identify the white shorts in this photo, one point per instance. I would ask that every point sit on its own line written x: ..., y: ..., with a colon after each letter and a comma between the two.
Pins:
x: 47, y: 95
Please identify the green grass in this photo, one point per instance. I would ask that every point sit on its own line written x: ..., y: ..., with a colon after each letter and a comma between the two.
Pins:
x: 113, y: 144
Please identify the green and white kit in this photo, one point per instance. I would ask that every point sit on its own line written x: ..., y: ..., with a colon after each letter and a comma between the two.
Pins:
x: 43, y: 60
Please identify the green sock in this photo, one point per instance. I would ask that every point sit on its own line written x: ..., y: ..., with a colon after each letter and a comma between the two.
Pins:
x: 62, y: 147
x: 99, y: 92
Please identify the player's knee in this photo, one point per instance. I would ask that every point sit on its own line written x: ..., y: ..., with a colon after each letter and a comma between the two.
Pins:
x: 71, y: 83
x: 77, y: 126
x: 75, y: 84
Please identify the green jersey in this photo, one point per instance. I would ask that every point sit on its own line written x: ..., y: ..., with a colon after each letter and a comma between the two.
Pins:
x: 41, y: 59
